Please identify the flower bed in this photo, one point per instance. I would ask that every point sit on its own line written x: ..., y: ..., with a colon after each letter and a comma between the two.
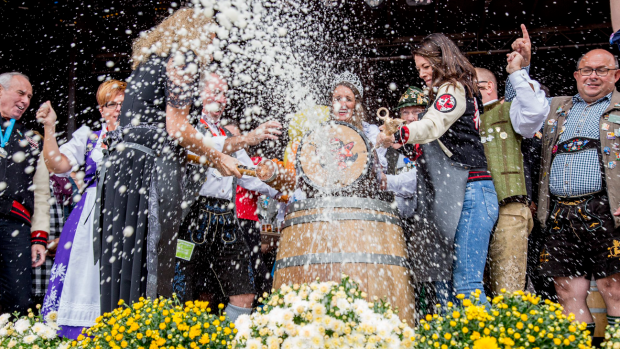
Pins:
x: 162, y: 323
x: 322, y: 315
x: 30, y: 332
x: 514, y: 321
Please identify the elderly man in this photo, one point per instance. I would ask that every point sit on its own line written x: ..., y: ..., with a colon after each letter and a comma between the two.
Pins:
x: 212, y: 251
x: 502, y: 147
x: 24, y: 185
x: 580, y: 186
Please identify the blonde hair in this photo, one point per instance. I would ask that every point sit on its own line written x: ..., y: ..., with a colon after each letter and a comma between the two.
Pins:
x: 109, y: 90
x: 186, y: 29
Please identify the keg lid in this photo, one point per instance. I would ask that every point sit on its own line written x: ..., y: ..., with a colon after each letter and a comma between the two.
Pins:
x: 334, y: 156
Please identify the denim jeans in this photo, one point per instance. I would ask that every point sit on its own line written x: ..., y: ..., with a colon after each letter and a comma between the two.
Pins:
x: 471, y: 243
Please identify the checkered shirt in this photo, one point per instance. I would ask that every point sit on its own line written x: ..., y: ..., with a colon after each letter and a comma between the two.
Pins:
x: 41, y: 275
x: 574, y: 174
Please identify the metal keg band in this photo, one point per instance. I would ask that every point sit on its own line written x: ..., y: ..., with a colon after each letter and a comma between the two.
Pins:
x: 342, y: 202
x: 341, y: 216
x: 334, y: 258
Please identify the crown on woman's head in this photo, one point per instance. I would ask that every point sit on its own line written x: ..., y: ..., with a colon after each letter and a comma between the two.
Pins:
x: 351, y: 79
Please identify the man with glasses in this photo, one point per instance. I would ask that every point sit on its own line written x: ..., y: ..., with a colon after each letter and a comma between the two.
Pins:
x: 579, y: 195
x: 212, y: 255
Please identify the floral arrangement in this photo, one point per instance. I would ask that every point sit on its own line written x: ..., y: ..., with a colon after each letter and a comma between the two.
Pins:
x: 322, y: 315
x: 30, y: 332
x: 161, y: 323
x: 612, y: 337
x: 517, y: 320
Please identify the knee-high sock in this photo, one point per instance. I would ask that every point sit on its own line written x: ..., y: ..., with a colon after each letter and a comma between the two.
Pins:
x: 234, y: 311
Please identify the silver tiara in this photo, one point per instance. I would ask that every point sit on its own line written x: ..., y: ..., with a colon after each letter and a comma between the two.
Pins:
x: 351, y: 79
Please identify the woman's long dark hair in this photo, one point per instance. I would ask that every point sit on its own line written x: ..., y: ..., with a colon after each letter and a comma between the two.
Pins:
x: 448, y: 63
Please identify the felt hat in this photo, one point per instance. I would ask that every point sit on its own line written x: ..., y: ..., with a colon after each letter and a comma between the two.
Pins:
x: 413, y: 97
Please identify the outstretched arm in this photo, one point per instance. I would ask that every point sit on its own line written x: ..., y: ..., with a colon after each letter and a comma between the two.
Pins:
x: 268, y: 130
x: 530, y: 107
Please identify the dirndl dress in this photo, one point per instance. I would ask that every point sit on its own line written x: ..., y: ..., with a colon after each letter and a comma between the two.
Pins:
x: 73, y: 290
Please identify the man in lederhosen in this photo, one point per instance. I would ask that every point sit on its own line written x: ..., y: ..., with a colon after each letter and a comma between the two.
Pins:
x: 212, y: 255
x: 580, y: 187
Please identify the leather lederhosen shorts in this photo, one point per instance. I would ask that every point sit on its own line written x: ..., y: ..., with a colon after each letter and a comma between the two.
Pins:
x: 581, y: 239
x: 220, y: 260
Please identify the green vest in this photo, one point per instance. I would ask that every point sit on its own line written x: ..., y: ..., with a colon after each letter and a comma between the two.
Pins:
x: 502, y: 147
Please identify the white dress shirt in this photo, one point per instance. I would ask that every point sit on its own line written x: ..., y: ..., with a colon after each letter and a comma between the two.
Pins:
x: 530, y: 107
x: 403, y: 184
x: 217, y: 186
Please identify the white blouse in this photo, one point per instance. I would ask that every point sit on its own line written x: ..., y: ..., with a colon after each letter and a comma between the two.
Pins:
x: 75, y: 150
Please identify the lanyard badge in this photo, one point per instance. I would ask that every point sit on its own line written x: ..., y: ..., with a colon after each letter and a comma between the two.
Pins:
x: 4, y: 138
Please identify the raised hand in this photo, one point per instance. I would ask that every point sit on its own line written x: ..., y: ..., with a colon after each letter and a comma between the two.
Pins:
x: 46, y: 114
x: 515, y: 62
x: 523, y: 46
x: 268, y: 130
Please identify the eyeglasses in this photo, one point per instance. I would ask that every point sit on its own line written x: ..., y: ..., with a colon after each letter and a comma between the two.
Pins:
x: 603, y: 71
x: 480, y: 83
x: 113, y: 105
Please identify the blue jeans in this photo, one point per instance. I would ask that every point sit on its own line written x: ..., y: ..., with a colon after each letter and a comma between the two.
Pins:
x: 471, y: 243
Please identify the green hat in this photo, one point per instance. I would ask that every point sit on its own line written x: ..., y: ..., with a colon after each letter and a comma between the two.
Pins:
x: 413, y: 97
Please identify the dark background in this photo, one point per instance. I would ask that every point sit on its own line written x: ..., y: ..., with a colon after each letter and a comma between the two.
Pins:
x: 64, y: 45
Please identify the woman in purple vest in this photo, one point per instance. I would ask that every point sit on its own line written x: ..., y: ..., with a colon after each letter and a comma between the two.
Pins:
x: 73, y: 289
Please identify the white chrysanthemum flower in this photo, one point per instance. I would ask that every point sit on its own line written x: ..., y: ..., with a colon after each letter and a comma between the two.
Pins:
x: 4, y: 318
x: 51, y: 317
x: 38, y: 327
x: 29, y: 339
x: 308, y: 331
x: 276, y: 316
x: 408, y: 332
x: 12, y: 343
x: 4, y: 332
x: 288, y: 343
x: 291, y: 298
x: 22, y: 325
x: 287, y: 316
x: 324, y: 288
x: 243, y: 321
x: 343, y: 304
x: 253, y: 344
x: 338, y: 326
x: 299, y: 307
x: 48, y: 333
x: 273, y: 342
x: 319, y: 310
x: 316, y: 341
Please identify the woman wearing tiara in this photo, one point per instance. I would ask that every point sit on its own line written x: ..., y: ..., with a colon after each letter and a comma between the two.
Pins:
x: 347, y: 105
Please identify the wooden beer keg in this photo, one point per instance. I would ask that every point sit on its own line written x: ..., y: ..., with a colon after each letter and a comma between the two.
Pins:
x: 360, y: 237
x: 598, y: 309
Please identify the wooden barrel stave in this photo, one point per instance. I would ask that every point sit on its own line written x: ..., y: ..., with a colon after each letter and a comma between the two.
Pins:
x: 377, y: 246
x: 598, y: 309
x: 321, y: 237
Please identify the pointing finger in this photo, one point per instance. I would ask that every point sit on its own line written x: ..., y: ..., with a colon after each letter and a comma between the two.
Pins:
x: 526, y: 35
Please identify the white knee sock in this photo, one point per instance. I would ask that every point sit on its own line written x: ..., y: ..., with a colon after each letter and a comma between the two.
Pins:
x: 233, y: 311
